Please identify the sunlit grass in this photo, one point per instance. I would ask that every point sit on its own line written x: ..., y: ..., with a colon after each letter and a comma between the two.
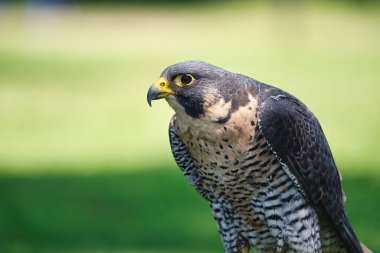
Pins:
x: 73, y: 80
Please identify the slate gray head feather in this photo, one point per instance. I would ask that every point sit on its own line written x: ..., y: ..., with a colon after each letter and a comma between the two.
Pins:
x: 209, y: 84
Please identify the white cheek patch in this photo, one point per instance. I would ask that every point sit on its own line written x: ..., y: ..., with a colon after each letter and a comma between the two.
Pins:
x: 217, y: 111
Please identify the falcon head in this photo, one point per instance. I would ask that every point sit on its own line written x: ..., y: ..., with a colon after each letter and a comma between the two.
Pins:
x: 198, y: 89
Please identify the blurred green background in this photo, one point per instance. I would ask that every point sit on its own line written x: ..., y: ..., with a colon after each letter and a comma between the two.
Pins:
x: 85, y: 164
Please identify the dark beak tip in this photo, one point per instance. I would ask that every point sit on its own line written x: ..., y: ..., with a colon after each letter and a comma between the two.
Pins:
x: 149, y: 99
x: 153, y: 93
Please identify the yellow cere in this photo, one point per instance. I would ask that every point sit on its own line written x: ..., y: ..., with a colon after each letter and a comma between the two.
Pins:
x: 163, y: 85
x: 162, y: 82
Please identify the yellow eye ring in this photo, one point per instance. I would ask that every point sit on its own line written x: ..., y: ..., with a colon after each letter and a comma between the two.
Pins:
x: 184, y: 79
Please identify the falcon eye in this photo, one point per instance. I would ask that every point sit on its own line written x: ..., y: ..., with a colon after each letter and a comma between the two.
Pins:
x: 184, y: 80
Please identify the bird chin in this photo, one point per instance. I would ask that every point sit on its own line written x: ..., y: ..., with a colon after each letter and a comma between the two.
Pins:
x: 177, y: 107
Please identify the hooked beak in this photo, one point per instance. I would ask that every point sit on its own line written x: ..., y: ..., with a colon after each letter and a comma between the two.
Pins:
x: 158, y: 90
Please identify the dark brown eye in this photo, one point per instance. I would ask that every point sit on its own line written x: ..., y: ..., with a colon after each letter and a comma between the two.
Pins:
x: 186, y: 79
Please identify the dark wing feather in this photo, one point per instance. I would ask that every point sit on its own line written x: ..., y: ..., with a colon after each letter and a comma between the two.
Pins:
x: 184, y: 159
x: 296, y: 137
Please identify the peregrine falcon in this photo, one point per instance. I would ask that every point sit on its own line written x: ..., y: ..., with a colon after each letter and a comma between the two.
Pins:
x: 259, y: 156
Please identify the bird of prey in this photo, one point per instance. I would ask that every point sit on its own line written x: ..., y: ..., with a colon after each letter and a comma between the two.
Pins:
x: 259, y: 156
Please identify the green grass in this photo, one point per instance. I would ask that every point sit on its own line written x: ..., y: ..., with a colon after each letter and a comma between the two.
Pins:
x: 82, y: 154
x: 148, y: 210
x: 139, y: 210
